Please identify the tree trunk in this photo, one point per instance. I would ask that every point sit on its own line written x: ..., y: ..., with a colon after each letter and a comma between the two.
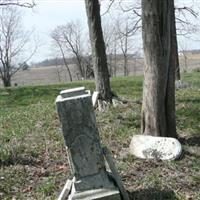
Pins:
x: 80, y: 66
x: 98, y: 50
x: 158, y: 107
x: 125, y: 65
x: 115, y: 61
x: 125, y: 53
x: 65, y: 62
x: 177, y: 65
x: 110, y: 65
x: 7, y: 81
x: 185, y: 61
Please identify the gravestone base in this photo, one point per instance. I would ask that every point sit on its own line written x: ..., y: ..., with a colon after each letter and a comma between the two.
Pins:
x: 95, y: 194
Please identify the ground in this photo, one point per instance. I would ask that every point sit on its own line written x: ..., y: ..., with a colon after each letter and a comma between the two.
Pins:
x: 33, y: 159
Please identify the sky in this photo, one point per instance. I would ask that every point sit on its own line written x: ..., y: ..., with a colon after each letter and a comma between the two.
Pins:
x: 47, y: 14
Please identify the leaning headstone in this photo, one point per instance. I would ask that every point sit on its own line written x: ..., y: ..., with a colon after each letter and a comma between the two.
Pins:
x: 91, y: 180
x: 151, y: 147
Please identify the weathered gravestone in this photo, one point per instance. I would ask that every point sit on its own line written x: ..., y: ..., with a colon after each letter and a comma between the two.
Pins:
x: 91, y: 180
x: 151, y: 147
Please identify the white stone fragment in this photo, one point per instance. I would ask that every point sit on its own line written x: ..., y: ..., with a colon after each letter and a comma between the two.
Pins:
x: 73, y: 92
x: 116, y: 102
x: 151, y: 147
x: 66, y: 190
x: 95, y: 96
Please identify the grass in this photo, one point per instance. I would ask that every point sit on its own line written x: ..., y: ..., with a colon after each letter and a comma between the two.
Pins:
x: 33, y: 160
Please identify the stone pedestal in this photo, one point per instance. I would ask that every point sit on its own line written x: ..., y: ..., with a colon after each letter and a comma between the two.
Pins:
x: 91, y: 181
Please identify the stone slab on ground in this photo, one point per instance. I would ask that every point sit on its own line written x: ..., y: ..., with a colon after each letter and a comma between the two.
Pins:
x: 96, y: 194
x: 151, y: 147
x: 66, y: 190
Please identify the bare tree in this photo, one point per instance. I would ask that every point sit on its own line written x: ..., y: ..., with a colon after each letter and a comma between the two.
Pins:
x: 127, y: 25
x: 87, y: 59
x: 183, y: 27
x: 185, y: 18
x: 184, y: 55
x: 57, y: 70
x: 71, y: 38
x: 114, y: 54
x: 101, y: 73
x: 13, y: 41
x: 158, y: 106
x: 124, y: 37
x: 184, y: 12
x: 111, y: 44
x: 88, y: 67
x: 56, y: 35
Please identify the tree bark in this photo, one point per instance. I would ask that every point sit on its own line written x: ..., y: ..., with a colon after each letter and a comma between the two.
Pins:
x: 158, y: 107
x: 98, y: 50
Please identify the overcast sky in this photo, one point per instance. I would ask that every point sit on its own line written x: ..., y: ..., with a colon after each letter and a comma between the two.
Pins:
x: 50, y: 13
x: 46, y: 16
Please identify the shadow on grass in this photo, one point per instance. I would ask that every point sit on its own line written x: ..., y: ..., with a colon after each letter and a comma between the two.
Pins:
x: 193, y: 101
x: 153, y: 194
x: 19, y: 160
x: 191, y: 141
x: 190, y: 154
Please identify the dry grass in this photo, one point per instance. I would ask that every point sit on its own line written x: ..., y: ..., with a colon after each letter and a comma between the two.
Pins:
x: 33, y: 162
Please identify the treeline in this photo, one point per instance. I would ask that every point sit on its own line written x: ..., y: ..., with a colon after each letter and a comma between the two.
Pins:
x: 53, y: 62
x: 72, y: 60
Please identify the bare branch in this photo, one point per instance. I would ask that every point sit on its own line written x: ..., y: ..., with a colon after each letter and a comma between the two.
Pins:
x: 108, y: 9
x: 70, y: 39
x: 17, y: 3
x: 188, y: 9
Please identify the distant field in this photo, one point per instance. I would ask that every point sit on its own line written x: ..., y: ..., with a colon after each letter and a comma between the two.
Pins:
x: 190, y: 62
x: 59, y: 74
